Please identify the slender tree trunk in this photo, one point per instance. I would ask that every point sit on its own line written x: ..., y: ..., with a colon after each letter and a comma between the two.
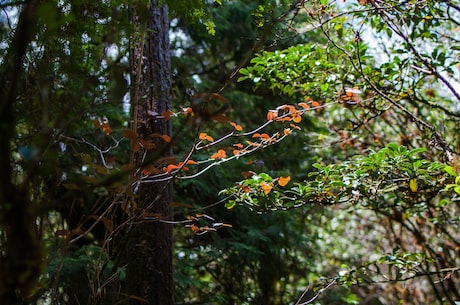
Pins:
x: 149, y: 245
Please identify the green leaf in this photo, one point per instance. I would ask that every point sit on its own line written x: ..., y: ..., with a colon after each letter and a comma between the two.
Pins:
x: 230, y: 204
x: 450, y: 171
x: 351, y: 299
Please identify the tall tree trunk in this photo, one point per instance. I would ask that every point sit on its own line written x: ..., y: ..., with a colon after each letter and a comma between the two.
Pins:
x: 149, y: 245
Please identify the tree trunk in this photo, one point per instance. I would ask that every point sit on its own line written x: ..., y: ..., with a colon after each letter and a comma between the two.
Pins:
x: 149, y: 244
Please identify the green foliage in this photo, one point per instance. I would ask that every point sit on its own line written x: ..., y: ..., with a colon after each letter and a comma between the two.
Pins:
x: 356, y: 181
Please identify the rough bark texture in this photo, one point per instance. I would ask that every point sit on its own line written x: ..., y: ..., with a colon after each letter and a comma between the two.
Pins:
x: 149, y: 245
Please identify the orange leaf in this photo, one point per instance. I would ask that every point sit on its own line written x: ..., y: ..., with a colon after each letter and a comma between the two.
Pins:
x: 194, y: 228
x: 170, y: 168
x: 284, y: 119
x: 266, y: 188
x: 238, y: 145
x: 130, y: 134
x: 191, y: 162
x: 315, y: 104
x: 297, y: 119
x: 166, y: 138
x: 253, y: 144
x: 236, y: 126
x: 204, y: 136
x: 287, y: 131
x: 220, y: 154
x: 261, y: 136
x: 283, y: 180
x: 287, y: 108
x: 187, y: 111
x: 304, y: 105
x: 245, y: 188
x: 167, y: 114
x: 271, y: 115
x: 106, y: 128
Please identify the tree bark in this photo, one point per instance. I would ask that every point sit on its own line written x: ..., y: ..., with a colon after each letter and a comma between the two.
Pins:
x: 149, y: 244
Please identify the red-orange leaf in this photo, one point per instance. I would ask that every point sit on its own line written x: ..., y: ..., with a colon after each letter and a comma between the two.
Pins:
x: 304, y: 105
x: 187, y: 111
x: 271, y: 115
x: 238, y: 145
x: 106, y: 128
x: 261, y: 136
x: 253, y: 144
x: 194, y: 228
x: 315, y: 104
x: 170, y: 168
x: 236, y: 126
x: 166, y: 138
x: 220, y: 154
x: 167, y: 114
x: 282, y: 119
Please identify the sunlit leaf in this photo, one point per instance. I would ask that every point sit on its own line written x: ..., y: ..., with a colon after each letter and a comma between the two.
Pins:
x: 297, y: 119
x: 204, y: 136
x: 266, y: 187
x: 284, y: 180
x: 304, y: 105
x: 271, y: 115
x: 220, y: 154
x: 236, y: 126
x: 413, y: 185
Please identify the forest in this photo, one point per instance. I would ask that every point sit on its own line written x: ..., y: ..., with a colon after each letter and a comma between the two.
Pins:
x: 229, y: 152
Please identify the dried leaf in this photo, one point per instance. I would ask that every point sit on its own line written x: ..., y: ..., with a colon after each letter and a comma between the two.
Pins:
x: 220, y: 117
x: 130, y: 134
